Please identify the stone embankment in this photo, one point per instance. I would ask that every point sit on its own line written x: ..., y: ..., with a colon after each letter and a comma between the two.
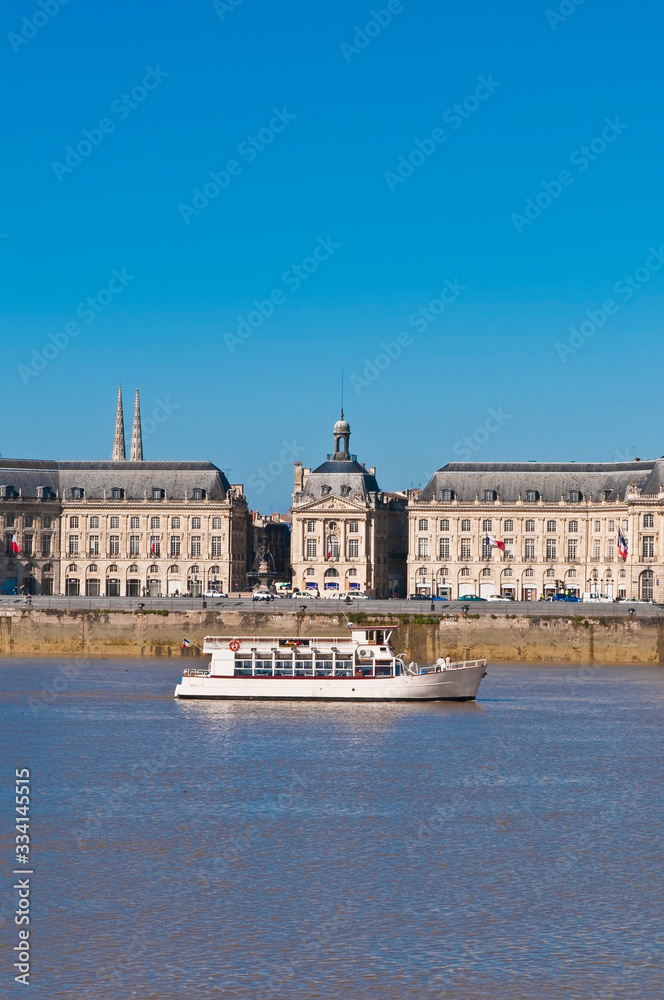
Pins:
x: 505, y: 638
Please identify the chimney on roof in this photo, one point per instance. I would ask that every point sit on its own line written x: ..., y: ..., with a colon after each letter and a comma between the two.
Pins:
x: 119, y: 454
x: 372, y: 470
x: 136, y: 454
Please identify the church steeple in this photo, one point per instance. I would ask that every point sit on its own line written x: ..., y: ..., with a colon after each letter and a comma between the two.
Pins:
x: 341, y: 439
x: 119, y: 454
x: 136, y: 435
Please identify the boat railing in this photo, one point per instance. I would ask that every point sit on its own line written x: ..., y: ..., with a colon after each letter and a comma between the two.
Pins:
x: 437, y: 668
x: 194, y: 672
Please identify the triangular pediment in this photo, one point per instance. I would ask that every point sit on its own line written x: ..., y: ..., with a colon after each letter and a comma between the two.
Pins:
x: 330, y: 504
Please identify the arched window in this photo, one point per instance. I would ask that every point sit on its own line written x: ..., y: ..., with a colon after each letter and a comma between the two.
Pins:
x: 310, y: 572
x: 153, y: 569
x: 92, y: 568
x: 173, y: 569
x: 71, y: 568
x: 331, y: 572
x: 133, y: 568
x: 487, y: 572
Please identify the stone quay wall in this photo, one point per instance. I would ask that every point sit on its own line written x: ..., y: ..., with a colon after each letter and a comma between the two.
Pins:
x: 576, y: 639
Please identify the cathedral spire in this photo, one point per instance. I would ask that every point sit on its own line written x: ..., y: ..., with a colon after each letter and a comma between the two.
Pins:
x: 119, y: 454
x: 136, y: 436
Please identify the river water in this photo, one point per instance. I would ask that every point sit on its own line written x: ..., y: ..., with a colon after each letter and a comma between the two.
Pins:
x: 504, y: 849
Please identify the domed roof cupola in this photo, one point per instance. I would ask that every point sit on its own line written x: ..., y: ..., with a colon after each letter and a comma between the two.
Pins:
x: 341, y: 439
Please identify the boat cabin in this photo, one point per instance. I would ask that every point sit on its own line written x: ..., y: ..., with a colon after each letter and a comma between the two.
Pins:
x: 367, y: 652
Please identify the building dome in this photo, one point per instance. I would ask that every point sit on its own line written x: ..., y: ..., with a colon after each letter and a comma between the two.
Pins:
x: 342, y: 426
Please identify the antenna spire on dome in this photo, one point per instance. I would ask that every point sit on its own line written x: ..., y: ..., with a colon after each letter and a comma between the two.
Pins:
x: 119, y: 454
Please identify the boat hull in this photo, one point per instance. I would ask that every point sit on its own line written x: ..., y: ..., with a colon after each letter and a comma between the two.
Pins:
x: 460, y: 684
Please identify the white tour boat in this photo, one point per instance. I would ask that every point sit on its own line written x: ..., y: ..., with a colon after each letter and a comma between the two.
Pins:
x: 359, y: 667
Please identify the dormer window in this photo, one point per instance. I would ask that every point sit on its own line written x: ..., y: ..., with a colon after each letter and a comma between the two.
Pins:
x: 575, y: 496
x: 198, y: 494
x: 325, y: 490
x: 157, y: 493
x: 490, y: 495
x: 447, y: 495
x: 117, y: 493
x: 532, y: 496
x: 77, y: 493
x: 345, y: 490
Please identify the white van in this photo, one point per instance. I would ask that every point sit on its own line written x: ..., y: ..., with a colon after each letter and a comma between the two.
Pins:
x: 595, y: 598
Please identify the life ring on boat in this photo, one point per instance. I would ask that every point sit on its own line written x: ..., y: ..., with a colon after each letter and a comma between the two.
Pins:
x: 234, y: 644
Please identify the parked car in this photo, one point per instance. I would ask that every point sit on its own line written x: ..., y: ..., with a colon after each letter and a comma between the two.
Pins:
x: 213, y: 593
x: 472, y: 597
x: 262, y: 595
x: 598, y: 598
x: 567, y: 597
x: 358, y: 595
x: 418, y: 597
x: 309, y: 595
x: 499, y: 597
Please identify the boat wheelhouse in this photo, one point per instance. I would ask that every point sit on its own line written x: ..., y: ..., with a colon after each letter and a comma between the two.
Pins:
x: 360, y: 666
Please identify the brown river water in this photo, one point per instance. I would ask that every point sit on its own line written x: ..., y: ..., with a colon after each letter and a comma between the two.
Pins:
x: 507, y: 849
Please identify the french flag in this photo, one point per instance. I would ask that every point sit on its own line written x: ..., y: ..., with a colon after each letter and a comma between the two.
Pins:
x: 493, y: 543
x: 622, y: 544
x: 15, y: 549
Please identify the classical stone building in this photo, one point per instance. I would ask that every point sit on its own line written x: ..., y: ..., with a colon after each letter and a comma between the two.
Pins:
x: 347, y: 534
x: 559, y: 524
x: 121, y: 528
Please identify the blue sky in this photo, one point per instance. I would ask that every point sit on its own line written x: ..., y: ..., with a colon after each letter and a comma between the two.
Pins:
x: 338, y: 112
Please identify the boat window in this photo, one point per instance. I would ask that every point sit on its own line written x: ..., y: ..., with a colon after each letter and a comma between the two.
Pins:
x: 304, y: 668
x: 371, y: 636
x: 242, y: 667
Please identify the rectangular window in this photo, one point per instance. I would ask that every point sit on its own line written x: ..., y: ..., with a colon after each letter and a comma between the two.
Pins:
x: 597, y: 549
x: 47, y: 522
x: 216, y: 546
x: 195, y: 524
x: 311, y: 526
x: 465, y: 524
x: 529, y: 548
x: 73, y: 522
x: 353, y: 526
x: 573, y: 526
x: 530, y: 525
x: 508, y: 525
x: 27, y: 545
x: 311, y: 548
x: 28, y: 521
x: 94, y: 545
x: 571, y: 548
x: 598, y: 525
x: 509, y: 549
x: 115, y: 523
x: 135, y: 523
x: 487, y: 525
x: 444, y: 548
x: 46, y: 545
x: 612, y: 526
x: 94, y: 523
x: 73, y: 544
x: 175, y: 545
x: 154, y: 523
x: 465, y: 548
x: 114, y: 545
x: 216, y: 524
x: 195, y: 545
x: 648, y: 520
x: 610, y: 552
x: 550, y: 525
x: 422, y: 548
x: 486, y: 549
x: 134, y: 545
x: 550, y: 548
x: 648, y: 546
x: 423, y: 525
x: 175, y: 523
x: 353, y: 548
x: 444, y: 525
x: 155, y: 546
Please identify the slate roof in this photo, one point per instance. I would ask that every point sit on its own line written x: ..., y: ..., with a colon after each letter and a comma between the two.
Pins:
x: 336, y: 474
x: 135, y: 478
x: 551, y: 480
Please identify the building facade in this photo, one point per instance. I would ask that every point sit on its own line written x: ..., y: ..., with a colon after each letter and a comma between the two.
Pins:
x: 559, y: 524
x: 121, y: 528
x: 347, y: 534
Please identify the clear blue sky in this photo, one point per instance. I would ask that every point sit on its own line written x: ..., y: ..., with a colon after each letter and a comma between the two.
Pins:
x: 329, y: 174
